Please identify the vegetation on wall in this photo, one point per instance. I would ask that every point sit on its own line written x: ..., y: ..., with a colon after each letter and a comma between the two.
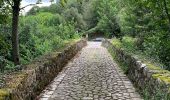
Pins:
x: 148, y: 22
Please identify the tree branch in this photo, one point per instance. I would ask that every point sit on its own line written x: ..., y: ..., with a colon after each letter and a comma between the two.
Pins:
x: 29, y: 5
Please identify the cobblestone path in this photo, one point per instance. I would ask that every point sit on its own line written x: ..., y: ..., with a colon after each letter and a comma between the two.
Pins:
x: 92, y: 75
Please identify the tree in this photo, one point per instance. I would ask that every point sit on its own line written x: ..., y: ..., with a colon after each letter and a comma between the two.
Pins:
x: 33, y: 10
x: 15, y: 20
x: 15, y: 5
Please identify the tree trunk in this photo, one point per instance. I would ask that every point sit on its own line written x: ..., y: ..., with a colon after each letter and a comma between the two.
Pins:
x: 15, y: 41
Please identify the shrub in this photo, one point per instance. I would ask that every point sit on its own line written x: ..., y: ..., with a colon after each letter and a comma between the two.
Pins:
x: 129, y: 43
x: 152, y: 46
x: 117, y: 43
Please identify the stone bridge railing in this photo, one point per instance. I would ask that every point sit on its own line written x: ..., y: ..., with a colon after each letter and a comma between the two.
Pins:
x: 150, y: 80
x: 28, y: 83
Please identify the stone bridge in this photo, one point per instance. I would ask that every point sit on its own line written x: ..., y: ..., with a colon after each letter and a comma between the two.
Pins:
x: 91, y: 75
x: 84, y: 71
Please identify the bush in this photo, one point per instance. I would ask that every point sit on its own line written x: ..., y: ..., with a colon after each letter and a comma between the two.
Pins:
x: 117, y: 43
x: 129, y: 43
x: 43, y: 33
x: 152, y: 46
x: 57, y: 42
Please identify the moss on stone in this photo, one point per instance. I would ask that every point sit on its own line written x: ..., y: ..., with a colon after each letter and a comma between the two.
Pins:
x: 4, y: 93
x: 158, y: 69
x: 165, y: 77
x: 16, y: 80
x: 152, y: 67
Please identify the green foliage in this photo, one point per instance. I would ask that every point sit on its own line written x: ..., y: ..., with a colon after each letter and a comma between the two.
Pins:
x: 41, y: 31
x: 129, y: 43
x: 5, y: 47
x: 152, y: 45
x: 4, y: 12
x: 149, y: 23
x: 158, y: 95
x: 54, y: 9
x: 141, y: 26
x: 89, y: 13
x: 100, y: 16
x: 107, y: 18
x: 117, y: 43
x: 72, y: 14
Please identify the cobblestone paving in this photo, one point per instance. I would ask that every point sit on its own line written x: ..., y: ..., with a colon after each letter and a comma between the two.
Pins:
x: 92, y: 75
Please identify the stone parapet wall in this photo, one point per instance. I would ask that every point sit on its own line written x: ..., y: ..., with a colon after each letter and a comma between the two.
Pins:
x: 28, y: 83
x: 148, y: 78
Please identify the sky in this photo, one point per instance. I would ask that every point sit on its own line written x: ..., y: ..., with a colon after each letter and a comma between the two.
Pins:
x: 26, y: 2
